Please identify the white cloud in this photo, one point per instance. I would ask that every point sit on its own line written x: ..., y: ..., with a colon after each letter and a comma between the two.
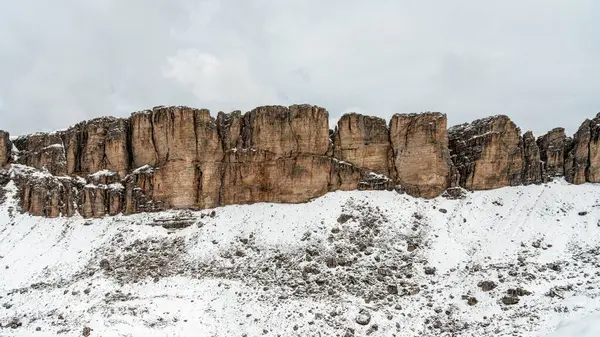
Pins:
x: 226, y: 82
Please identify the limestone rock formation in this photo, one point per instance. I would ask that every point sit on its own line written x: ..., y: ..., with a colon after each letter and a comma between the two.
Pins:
x: 5, y: 148
x: 552, y: 147
x: 363, y: 141
x: 582, y: 162
x: 42, y: 150
x: 421, y: 159
x: 180, y: 157
x: 532, y: 164
x: 95, y: 145
x: 488, y: 153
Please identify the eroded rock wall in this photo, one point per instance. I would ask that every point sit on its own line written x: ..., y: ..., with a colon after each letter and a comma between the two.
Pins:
x: 363, y: 141
x: 488, y: 153
x: 553, y: 146
x: 5, y: 148
x: 179, y: 157
x: 420, y: 156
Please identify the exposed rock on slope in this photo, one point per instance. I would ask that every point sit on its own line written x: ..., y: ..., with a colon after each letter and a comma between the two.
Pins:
x: 5, y: 148
x: 363, y: 141
x: 552, y: 147
x: 421, y: 159
x: 578, y: 154
x: 532, y: 164
x: 180, y: 157
x: 582, y: 163
x: 488, y: 153
x: 42, y: 150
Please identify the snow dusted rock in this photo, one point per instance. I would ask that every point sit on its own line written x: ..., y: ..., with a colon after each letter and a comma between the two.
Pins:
x: 421, y: 159
x: 182, y: 158
x: 488, y: 153
x: 582, y: 163
x: 363, y: 141
x: 42, y: 150
x: 552, y: 148
x: 5, y: 148
x: 96, y: 145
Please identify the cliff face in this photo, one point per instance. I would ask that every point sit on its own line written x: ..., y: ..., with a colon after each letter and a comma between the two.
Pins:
x: 553, y: 146
x: 5, y: 148
x: 582, y: 161
x: 421, y: 159
x: 488, y: 153
x: 179, y: 157
x: 533, y: 167
x: 363, y: 141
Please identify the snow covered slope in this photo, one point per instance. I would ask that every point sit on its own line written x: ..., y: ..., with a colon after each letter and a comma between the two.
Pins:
x: 518, y: 261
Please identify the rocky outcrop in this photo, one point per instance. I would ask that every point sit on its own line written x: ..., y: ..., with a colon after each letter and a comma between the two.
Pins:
x: 582, y: 162
x: 488, y: 153
x: 180, y: 157
x: 421, y: 159
x: 532, y: 164
x: 363, y: 141
x: 5, y: 148
x: 552, y: 148
x: 42, y: 150
x: 96, y: 145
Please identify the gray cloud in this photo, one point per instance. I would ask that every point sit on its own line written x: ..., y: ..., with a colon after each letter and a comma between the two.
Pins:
x: 67, y: 60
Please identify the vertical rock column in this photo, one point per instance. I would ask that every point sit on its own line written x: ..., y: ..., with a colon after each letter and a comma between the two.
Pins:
x: 5, y: 148
x: 532, y: 164
x: 421, y: 159
x: 280, y: 156
x: 582, y: 162
x: 552, y: 147
x: 363, y: 141
x: 488, y: 153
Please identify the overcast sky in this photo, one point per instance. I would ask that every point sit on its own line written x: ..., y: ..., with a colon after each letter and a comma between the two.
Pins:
x: 64, y: 61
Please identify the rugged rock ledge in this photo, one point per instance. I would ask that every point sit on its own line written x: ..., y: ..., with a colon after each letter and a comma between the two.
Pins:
x: 180, y: 157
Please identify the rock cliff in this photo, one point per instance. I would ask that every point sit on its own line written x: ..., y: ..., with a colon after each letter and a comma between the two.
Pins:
x: 553, y: 147
x: 363, y: 141
x: 421, y: 158
x: 488, y: 153
x: 5, y: 148
x: 180, y: 157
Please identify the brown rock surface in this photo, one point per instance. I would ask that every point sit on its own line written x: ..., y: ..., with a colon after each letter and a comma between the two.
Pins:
x: 179, y: 157
x: 43, y: 151
x: 98, y: 144
x: 488, y: 153
x: 5, y: 148
x: 582, y: 163
x: 421, y: 160
x: 576, y: 160
x: 552, y: 147
x: 43, y: 194
x: 532, y: 164
x: 363, y: 141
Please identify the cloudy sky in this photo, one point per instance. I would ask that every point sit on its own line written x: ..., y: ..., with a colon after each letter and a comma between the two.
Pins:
x: 63, y: 61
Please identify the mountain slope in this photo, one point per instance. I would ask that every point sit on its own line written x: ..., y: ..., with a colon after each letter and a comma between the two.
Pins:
x: 512, y: 261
